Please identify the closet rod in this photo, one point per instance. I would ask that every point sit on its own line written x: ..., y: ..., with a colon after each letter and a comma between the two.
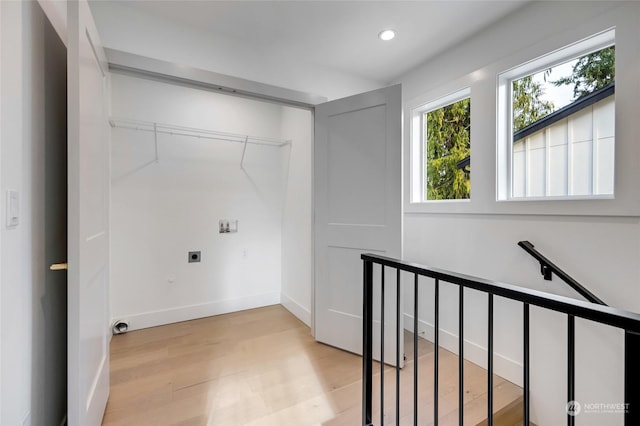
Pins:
x: 174, y: 130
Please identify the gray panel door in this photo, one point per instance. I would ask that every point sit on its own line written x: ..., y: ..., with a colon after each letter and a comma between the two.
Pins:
x: 358, y: 209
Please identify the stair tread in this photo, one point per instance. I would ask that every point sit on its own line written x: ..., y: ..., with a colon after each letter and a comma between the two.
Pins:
x: 509, y: 415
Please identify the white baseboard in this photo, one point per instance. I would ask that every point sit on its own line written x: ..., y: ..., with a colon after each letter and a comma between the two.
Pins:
x: 190, y: 312
x: 302, y: 313
x: 502, y: 366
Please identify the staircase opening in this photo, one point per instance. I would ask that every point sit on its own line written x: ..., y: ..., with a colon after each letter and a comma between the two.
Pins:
x: 435, y: 386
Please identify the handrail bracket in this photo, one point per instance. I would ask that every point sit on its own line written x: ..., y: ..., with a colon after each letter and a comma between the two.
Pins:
x: 548, y: 268
x: 546, y: 271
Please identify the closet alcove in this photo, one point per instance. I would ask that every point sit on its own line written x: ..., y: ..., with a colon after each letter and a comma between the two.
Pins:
x: 183, y: 159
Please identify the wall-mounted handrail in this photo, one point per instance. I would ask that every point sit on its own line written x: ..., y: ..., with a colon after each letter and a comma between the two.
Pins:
x: 547, y: 268
x: 627, y: 321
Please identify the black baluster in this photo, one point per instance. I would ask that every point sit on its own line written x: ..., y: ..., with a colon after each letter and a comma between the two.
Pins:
x: 527, y: 398
x: 399, y: 332
x: 415, y: 350
x: 461, y: 356
x: 631, y: 374
x: 436, y: 349
x: 367, y: 344
x: 490, y: 364
x: 571, y: 369
x: 382, y: 346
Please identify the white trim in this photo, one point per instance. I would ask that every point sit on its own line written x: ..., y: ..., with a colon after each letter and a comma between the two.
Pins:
x: 56, y: 12
x: 504, y: 116
x: 297, y: 309
x: 26, y: 419
x: 98, y: 394
x: 417, y: 138
x: 480, y: 71
x: 312, y: 269
x: 2, y: 208
x: 95, y: 384
x: 185, y: 313
x: 504, y: 367
x: 443, y: 101
x: 141, y: 66
x: 559, y: 56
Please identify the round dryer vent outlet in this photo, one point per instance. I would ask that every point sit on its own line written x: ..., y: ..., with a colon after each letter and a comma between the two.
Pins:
x: 120, y: 327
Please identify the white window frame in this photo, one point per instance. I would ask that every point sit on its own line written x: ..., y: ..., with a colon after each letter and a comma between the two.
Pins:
x: 504, y: 151
x: 418, y: 151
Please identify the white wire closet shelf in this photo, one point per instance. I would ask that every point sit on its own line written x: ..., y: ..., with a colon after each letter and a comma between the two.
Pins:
x: 175, y: 130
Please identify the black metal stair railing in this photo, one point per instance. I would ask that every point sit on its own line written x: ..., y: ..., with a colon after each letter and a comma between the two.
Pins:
x: 548, y: 268
x: 627, y: 321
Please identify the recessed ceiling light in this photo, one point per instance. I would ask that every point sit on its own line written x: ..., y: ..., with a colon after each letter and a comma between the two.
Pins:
x: 386, y: 35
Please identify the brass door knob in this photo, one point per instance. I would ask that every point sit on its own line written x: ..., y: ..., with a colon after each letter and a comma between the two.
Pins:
x: 58, y: 266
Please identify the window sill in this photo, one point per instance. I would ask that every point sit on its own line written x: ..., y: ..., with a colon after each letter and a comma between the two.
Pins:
x: 603, y: 206
x: 560, y: 198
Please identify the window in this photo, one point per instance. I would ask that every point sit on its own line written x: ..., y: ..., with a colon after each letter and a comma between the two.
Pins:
x: 442, y: 130
x: 556, y: 124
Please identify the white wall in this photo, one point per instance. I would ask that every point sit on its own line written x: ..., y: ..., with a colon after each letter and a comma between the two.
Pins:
x: 23, y: 294
x: 160, y: 211
x: 297, y: 254
x: 17, y: 261
x: 128, y: 29
x: 480, y: 237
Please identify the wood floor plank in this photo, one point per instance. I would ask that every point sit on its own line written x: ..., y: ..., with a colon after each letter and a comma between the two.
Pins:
x: 263, y: 367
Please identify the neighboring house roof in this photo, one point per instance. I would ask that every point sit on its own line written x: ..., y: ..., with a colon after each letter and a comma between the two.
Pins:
x: 555, y: 116
x: 566, y: 111
x: 465, y: 162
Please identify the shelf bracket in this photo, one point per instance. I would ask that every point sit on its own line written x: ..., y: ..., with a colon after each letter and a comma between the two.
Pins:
x: 155, y: 140
x: 244, y: 150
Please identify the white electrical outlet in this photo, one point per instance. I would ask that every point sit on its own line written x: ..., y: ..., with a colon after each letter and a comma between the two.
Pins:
x: 245, y: 253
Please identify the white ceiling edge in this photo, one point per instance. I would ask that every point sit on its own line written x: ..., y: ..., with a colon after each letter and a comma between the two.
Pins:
x: 128, y: 30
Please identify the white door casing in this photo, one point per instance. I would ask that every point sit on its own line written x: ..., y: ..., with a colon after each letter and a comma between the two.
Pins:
x: 88, y: 220
x: 358, y: 209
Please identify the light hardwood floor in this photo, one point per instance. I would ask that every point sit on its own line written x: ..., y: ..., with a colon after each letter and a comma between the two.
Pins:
x: 262, y: 367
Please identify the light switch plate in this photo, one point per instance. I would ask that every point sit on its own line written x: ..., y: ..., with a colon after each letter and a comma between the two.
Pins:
x: 13, y: 208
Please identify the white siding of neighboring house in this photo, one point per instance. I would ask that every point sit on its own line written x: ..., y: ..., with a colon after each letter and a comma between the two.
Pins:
x: 572, y: 157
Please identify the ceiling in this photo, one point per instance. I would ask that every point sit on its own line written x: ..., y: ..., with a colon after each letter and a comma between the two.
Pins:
x: 341, y: 35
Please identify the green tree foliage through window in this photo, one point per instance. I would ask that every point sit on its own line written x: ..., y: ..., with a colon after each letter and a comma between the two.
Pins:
x: 448, y: 131
x: 528, y: 107
x: 591, y: 72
